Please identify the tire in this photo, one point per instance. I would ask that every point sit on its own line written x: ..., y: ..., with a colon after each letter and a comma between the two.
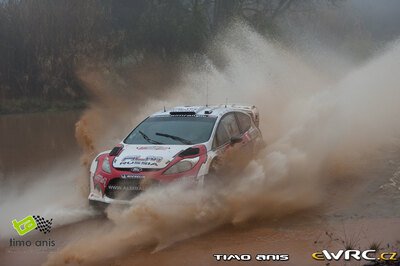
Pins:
x: 212, y: 178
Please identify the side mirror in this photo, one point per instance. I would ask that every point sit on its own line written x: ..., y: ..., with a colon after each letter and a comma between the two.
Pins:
x: 236, y: 139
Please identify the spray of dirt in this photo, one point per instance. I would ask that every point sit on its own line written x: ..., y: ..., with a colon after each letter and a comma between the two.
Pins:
x: 316, y: 130
x: 20, y: 197
x: 119, y: 100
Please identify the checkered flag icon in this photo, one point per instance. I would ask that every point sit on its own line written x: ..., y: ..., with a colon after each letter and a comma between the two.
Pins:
x: 43, y: 225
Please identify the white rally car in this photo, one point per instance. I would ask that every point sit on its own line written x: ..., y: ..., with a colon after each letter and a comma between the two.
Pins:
x: 184, y: 142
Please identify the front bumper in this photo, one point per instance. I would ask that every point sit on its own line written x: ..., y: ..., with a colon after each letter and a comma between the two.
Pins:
x: 97, y: 196
x: 121, y: 185
x: 106, y: 200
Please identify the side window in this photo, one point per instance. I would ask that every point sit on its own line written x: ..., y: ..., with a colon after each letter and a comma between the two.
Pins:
x: 222, y: 135
x: 227, y: 128
x: 230, y: 124
x: 244, y: 122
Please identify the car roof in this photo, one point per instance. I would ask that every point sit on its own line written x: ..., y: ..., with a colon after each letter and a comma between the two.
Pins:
x: 204, y: 110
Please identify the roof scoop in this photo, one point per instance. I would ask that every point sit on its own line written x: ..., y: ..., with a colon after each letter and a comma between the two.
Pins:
x: 182, y: 113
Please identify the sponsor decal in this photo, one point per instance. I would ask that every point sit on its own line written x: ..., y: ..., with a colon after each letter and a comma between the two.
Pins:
x: 127, y: 176
x: 139, y: 160
x: 249, y: 257
x: 128, y: 188
x: 157, y: 148
x: 100, y: 179
x: 355, y: 254
x: 136, y: 169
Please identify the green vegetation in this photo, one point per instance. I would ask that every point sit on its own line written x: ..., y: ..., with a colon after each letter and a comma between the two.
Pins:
x: 44, y: 42
x: 26, y: 105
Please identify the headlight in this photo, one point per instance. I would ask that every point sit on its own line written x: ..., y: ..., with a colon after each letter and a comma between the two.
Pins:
x: 106, y: 166
x: 182, y: 166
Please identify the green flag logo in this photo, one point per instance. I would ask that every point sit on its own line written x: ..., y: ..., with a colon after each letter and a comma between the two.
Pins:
x: 25, y: 225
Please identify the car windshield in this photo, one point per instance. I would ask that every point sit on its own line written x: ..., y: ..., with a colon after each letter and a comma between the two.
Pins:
x: 172, y: 130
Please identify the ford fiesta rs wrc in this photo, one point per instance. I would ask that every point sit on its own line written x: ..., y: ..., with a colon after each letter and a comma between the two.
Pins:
x: 183, y: 143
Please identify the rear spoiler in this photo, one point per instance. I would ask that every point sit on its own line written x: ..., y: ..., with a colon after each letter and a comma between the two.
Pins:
x: 255, y: 115
x: 251, y: 110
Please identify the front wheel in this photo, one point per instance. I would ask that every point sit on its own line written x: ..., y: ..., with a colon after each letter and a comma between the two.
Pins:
x: 213, y: 177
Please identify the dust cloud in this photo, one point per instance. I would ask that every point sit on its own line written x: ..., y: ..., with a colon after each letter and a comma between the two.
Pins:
x: 63, y: 203
x: 316, y: 129
x: 120, y: 99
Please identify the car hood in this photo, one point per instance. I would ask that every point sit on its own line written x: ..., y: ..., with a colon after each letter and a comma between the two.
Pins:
x: 147, y: 156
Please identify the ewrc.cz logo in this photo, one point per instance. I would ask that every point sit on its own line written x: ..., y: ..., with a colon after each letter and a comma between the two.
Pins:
x: 30, y: 223
x: 347, y: 255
